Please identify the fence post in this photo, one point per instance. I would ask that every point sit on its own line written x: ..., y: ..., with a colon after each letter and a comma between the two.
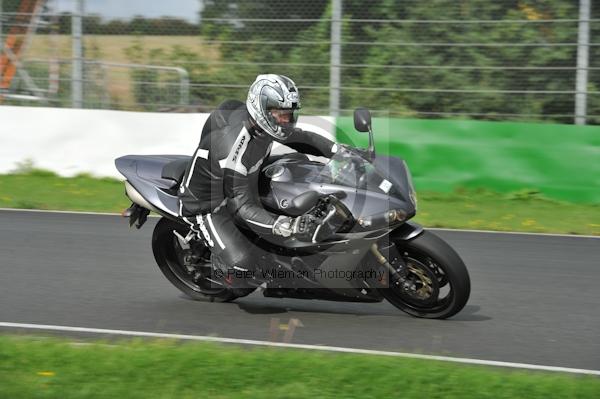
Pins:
x: 335, y: 57
x: 184, y: 86
x: 77, y: 56
x: 583, y: 48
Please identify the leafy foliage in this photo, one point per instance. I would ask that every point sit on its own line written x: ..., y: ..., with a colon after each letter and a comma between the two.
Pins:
x: 485, y: 79
x: 448, y: 66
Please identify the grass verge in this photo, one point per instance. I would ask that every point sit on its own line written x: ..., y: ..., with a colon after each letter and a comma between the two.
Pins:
x: 53, y: 368
x: 524, y: 211
x: 467, y: 209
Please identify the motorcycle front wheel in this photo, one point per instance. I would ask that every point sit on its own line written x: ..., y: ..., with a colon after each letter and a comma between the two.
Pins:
x: 191, y: 278
x: 434, y: 282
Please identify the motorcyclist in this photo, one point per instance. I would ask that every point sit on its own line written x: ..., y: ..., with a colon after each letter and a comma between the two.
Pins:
x: 219, y: 191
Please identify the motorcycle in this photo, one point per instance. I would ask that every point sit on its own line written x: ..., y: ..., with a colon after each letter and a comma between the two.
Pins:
x: 366, y: 249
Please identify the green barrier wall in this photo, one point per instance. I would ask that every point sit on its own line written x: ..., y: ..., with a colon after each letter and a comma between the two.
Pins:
x: 561, y: 161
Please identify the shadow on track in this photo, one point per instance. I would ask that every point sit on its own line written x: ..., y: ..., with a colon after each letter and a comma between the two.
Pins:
x: 254, y: 306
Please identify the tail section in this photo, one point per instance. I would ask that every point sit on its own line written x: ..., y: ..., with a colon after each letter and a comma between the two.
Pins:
x: 152, y: 181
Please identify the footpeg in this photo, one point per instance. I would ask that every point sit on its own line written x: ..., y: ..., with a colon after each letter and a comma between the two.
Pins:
x: 186, y: 239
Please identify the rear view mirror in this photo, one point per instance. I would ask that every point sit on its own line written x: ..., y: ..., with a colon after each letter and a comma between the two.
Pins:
x: 362, y: 119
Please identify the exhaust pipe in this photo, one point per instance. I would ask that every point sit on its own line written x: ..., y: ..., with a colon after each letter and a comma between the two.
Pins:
x: 137, y: 198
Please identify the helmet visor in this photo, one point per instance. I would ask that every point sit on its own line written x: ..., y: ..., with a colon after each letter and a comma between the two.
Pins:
x: 286, y: 118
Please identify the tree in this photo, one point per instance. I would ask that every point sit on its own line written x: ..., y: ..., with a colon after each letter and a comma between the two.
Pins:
x: 398, y: 63
x: 486, y: 60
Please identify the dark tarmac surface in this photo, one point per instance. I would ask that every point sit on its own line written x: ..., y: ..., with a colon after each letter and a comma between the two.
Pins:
x: 534, y: 299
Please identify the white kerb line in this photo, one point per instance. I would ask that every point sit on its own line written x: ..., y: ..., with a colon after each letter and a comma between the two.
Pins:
x: 301, y: 346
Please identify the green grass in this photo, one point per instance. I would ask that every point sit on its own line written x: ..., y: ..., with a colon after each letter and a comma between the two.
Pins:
x: 519, y: 211
x: 51, y: 368
x: 468, y: 209
x: 39, y: 189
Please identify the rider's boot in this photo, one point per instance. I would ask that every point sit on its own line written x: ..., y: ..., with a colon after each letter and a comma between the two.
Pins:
x: 234, y: 277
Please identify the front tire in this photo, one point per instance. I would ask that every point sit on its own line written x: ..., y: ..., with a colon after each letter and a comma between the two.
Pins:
x: 192, y: 281
x: 436, y: 284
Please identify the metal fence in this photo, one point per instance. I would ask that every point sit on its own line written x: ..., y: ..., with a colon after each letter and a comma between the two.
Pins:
x: 504, y: 60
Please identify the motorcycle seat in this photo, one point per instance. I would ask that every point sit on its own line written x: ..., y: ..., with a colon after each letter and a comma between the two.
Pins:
x: 175, y: 170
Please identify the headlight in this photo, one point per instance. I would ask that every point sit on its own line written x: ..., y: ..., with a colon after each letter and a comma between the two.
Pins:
x: 395, y: 215
x: 382, y: 219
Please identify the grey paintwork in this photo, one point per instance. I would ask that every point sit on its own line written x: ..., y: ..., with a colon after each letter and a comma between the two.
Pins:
x: 299, y: 176
x: 144, y: 173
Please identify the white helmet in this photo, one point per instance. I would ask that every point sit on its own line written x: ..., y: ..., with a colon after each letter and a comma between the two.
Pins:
x: 269, y: 92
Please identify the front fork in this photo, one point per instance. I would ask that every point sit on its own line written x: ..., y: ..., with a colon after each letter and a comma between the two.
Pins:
x: 397, y: 272
x: 405, y: 232
x: 409, y: 277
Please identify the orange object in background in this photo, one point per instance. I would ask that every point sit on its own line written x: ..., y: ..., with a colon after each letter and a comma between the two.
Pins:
x: 15, y: 40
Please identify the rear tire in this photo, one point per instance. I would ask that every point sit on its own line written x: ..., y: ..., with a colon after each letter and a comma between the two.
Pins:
x: 433, y: 259
x: 168, y: 253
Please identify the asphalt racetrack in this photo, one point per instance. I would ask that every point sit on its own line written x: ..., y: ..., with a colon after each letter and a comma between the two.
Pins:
x: 534, y: 299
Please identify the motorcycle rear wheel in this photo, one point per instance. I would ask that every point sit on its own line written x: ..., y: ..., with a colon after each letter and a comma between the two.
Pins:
x: 437, y: 283
x: 193, y: 282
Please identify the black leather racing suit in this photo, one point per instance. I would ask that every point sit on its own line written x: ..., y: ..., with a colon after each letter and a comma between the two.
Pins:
x: 220, y: 185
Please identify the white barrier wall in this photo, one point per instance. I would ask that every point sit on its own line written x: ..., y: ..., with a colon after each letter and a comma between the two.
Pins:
x: 72, y: 141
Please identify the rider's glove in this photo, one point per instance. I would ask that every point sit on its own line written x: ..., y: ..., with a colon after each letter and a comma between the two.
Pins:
x: 302, y: 227
x: 283, y: 226
x: 305, y: 227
